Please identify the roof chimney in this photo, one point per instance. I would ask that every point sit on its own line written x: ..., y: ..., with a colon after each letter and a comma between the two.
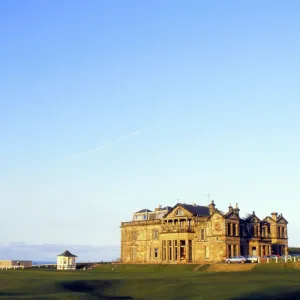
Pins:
x: 274, y: 215
x: 212, y: 207
x: 230, y: 208
x: 158, y: 208
x: 236, y: 210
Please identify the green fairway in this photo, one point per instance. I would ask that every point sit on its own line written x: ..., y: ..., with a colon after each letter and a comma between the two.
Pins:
x: 271, y: 281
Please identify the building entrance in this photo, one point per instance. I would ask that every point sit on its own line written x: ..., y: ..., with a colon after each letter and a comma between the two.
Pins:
x: 177, y: 251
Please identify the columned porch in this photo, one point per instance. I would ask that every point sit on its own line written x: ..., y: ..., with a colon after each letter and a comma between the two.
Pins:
x: 260, y: 249
x: 177, y: 248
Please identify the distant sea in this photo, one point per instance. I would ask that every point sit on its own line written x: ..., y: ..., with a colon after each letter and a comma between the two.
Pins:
x: 43, y: 262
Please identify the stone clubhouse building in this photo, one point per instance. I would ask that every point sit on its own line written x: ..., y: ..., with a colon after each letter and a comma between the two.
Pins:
x: 189, y: 233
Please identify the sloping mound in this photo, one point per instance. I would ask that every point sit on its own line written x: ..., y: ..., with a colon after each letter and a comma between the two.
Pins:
x: 279, y: 267
x: 231, y: 267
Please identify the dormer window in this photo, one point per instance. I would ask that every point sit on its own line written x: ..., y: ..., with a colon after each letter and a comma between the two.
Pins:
x: 179, y: 212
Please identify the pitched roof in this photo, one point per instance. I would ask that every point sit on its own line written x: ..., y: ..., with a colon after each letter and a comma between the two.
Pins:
x: 168, y: 208
x: 221, y: 212
x: 281, y: 217
x: 143, y: 211
x: 228, y: 213
x: 67, y: 254
x: 196, y: 210
x: 249, y: 217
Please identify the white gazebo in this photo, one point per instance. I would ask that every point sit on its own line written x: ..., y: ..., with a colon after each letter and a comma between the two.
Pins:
x: 66, y: 261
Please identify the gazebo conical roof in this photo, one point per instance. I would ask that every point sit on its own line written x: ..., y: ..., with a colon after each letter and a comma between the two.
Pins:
x: 67, y: 254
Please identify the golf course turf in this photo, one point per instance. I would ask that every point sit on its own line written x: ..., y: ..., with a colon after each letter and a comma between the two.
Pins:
x: 264, y: 281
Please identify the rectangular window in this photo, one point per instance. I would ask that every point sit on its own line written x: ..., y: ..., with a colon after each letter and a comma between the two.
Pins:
x: 155, y: 234
x: 133, y: 253
x: 234, y: 250
x: 190, y: 251
x: 134, y: 235
x: 150, y: 252
x: 202, y: 234
x: 228, y: 229
x: 156, y: 252
x: 234, y: 229
x: 206, y: 250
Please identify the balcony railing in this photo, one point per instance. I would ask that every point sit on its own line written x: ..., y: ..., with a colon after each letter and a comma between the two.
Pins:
x: 174, y: 229
x: 266, y: 236
x: 141, y: 223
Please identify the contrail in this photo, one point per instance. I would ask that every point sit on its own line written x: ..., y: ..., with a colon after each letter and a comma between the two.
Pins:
x: 127, y: 136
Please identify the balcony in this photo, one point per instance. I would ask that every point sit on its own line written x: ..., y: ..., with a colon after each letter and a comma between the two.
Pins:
x: 177, y: 229
x: 266, y: 236
x: 141, y: 223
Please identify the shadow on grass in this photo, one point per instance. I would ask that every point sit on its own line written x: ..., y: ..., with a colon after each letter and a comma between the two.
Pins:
x: 280, y: 295
x: 12, y: 294
x: 94, y: 288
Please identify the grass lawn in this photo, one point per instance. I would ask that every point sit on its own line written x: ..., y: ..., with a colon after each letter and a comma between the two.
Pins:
x: 272, y: 281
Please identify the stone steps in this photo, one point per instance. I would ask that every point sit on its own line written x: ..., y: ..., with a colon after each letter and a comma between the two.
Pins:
x: 202, y: 268
x: 197, y: 268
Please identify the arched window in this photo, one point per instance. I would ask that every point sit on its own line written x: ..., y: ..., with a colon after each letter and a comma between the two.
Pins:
x: 179, y: 212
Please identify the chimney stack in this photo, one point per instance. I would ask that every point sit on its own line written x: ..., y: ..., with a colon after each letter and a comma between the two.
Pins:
x: 274, y: 215
x: 212, y: 207
x: 237, y: 210
x: 158, y: 208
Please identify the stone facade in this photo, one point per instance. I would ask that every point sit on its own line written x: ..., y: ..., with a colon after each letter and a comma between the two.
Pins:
x: 198, y: 234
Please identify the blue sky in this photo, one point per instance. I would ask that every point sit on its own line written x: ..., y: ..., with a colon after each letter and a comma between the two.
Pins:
x: 108, y: 107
